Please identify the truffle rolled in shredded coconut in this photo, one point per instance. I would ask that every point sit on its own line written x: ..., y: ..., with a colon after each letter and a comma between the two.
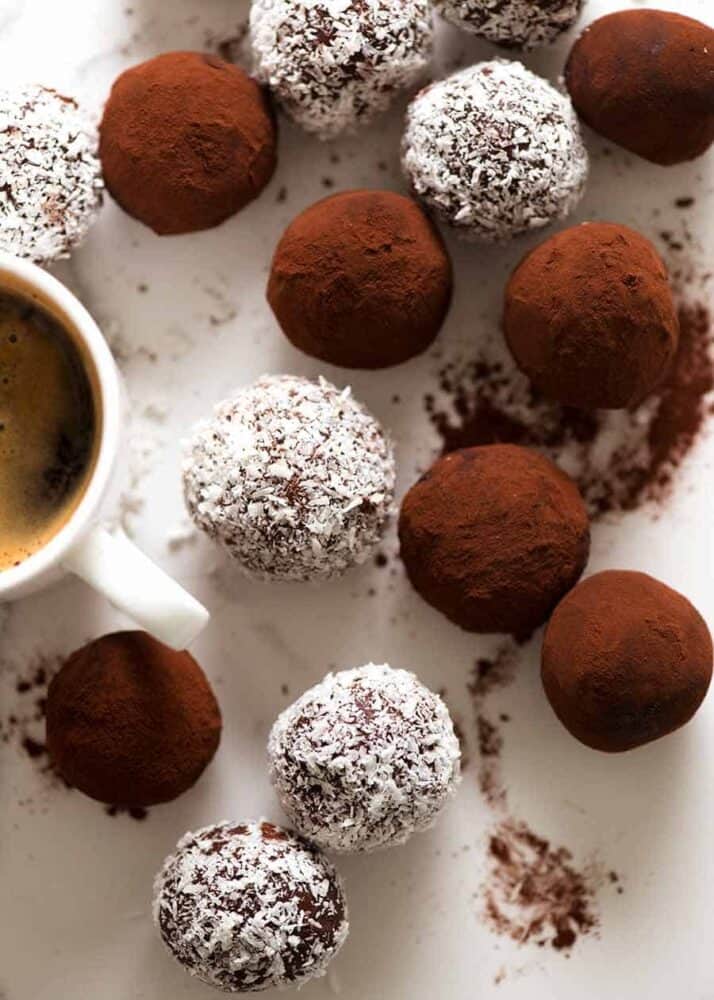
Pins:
x: 364, y: 759
x: 294, y: 478
x: 333, y: 64
x: 50, y: 177
x: 519, y: 24
x: 244, y: 907
x: 494, y: 151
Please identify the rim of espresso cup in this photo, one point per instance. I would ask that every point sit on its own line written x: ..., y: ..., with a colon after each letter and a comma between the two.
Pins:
x: 27, y: 280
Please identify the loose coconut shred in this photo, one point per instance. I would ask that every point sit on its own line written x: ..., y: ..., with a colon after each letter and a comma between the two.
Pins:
x: 294, y: 478
x: 333, y: 64
x: 50, y: 177
x: 495, y: 151
x: 364, y: 759
x: 524, y: 24
x: 249, y: 906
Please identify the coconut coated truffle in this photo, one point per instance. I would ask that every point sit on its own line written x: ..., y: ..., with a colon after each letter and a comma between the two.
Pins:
x: 248, y: 906
x: 50, y: 177
x: 645, y: 80
x: 625, y: 660
x: 361, y: 279
x: 186, y: 141
x: 131, y: 722
x: 494, y: 151
x: 589, y: 317
x: 518, y: 24
x: 295, y: 479
x: 493, y: 537
x: 335, y: 64
x: 364, y: 759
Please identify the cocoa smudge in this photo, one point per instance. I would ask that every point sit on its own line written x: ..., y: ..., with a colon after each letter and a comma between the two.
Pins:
x: 534, y: 893
x: 619, y: 459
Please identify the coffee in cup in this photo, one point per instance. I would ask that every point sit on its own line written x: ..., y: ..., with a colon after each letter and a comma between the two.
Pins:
x: 48, y: 427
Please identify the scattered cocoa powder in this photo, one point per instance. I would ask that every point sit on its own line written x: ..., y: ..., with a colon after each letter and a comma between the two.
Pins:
x: 619, y: 459
x: 534, y: 894
x: 23, y: 723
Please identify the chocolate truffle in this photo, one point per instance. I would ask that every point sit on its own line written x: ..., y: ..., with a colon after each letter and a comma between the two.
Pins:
x: 364, y: 759
x: 518, y: 24
x: 361, y: 279
x: 493, y: 537
x: 645, y: 80
x: 50, y: 177
x: 247, y: 906
x: 589, y: 317
x: 626, y: 660
x: 494, y: 151
x: 295, y: 479
x: 130, y: 721
x: 186, y: 141
x: 335, y: 64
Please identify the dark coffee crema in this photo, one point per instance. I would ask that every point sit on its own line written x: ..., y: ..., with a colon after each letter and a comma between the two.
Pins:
x: 48, y: 428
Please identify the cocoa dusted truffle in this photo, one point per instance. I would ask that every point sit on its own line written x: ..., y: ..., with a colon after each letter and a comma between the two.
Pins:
x: 518, y: 24
x: 335, y: 64
x: 364, y: 759
x: 589, y: 317
x: 295, y: 479
x: 50, y: 177
x: 186, y: 141
x: 626, y: 660
x: 131, y: 722
x: 493, y: 537
x: 248, y: 906
x: 361, y: 279
x: 494, y: 151
x: 645, y: 80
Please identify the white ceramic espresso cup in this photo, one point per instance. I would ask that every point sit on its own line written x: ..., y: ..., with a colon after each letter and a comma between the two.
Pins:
x: 109, y: 562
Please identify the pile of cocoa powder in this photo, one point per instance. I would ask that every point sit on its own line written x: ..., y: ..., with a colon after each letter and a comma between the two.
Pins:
x: 620, y: 459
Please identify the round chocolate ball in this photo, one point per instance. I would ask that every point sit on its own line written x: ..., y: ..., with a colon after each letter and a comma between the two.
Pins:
x: 295, y: 479
x: 361, y: 279
x: 50, y: 177
x: 248, y: 906
x: 186, y: 141
x: 494, y: 151
x: 589, y: 317
x: 336, y: 64
x: 131, y: 722
x: 645, y: 80
x: 625, y: 661
x: 518, y: 24
x: 364, y: 759
x: 493, y: 537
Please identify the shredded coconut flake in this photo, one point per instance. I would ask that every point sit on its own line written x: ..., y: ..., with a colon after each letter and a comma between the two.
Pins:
x: 523, y: 24
x: 335, y: 63
x: 294, y: 478
x: 50, y: 177
x: 495, y: 151
x: 244, y: 907
x: 364, y: 759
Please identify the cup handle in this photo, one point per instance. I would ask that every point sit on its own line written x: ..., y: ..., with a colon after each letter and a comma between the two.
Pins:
x: 135, y: 585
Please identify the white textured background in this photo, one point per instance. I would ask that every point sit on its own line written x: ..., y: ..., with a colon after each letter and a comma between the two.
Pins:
x: 74, y: 884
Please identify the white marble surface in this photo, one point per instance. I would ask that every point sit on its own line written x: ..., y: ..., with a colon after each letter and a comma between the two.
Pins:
x: 76, y: 883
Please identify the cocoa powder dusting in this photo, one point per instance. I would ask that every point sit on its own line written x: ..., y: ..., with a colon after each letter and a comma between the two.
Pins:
x: 534, y: 893
x: 619, y: 459
x: 23, y: 722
